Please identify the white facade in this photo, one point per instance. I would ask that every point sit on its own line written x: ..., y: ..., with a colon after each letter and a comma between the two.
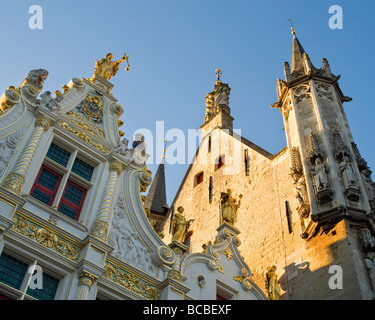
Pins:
x: 101, y: 246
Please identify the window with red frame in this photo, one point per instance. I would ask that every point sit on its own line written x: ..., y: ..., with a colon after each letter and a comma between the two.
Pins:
x: 72, y: 200
x: 47, y: 183
x: 45, y: 186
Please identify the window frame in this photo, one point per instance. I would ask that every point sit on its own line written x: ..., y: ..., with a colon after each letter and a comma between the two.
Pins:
x: 68, y: 175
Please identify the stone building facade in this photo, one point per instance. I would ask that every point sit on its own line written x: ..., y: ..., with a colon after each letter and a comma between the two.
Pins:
x: 308, y: 210
x: 72, y: 221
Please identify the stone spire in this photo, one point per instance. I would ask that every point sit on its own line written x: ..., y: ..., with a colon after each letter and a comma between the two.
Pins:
x: 156, y: 200
x: 301, y: 63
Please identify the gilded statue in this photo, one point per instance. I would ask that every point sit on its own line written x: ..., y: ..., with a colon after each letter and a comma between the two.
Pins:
x: 272, y: 286
x: 229, y: 207
x: 107, y: 68
x: 180, y: 226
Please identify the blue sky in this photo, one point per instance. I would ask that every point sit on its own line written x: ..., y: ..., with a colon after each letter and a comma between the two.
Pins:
x: 175, y: 47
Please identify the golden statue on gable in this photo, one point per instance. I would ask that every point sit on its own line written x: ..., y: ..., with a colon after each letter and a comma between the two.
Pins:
x: 106, y: 68
x: 228, y: 207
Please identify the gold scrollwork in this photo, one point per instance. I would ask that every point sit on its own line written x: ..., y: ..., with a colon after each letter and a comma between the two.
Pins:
x: 46, y: 237
x: 83, y: 136
x: 131, y: 282
x: 229, y: 254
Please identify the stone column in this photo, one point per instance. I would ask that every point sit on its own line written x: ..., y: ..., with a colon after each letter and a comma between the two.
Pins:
x: 85, y: 281
x: 99, y: 228
x: 16, y: 179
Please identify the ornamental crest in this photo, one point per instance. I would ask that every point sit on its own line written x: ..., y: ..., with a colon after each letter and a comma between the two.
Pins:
x: 92, y: 108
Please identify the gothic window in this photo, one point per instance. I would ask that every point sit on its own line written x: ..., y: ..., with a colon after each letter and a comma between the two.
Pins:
x: 13, y: 274
x: 63, y: 180
x: 187, y: 241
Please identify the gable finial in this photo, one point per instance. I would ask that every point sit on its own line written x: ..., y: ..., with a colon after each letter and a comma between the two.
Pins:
x: 291, y: 24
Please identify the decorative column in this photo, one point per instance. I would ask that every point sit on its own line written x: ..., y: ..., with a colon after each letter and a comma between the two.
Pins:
x: 179, y: 249
x: 16, y: 179
x: 99, y: 228
x: 85, y: 281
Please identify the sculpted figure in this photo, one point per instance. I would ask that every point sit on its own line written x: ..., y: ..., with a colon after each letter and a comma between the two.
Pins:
x: 300, y: 187
x: 222, y: 95
x: 37, y: 76
x: 107, y: 68
x: 347, y: 172
x: 209, y: 106
x: 320, y: 176
x: 180, y: 226
x: 229, y: 207
x: 272, y: 286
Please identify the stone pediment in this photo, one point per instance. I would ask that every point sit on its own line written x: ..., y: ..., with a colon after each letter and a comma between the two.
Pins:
x: 220, y: 262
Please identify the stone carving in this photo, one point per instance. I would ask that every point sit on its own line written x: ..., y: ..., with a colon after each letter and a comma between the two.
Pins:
x: 366, y: 240
x: 140, y: 155
x: 301, y: 93
x: 107, y: 68
x: 131, y: 282
x: 37, y: 76
x: 126, y: 242
x: 324, y: 91
x: 50, y: 103
x: 46, y: 237
x: 301, y: 195
x: 350, y: 182
x: 209, y: 106
x: 7, y: 146
x: 320, y: 179
x: 272, y: 285
x: 123, y: 148
x: 229, y: 207
x: 180, y: 226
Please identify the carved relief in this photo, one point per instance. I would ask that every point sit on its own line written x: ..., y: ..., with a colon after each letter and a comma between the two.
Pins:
x: 319, y: 171
x: 7, y: 146
x: 131, y: 282
x: 126, y: 242
x: 46, y: 237
x: 324, y: 91
x: 302, y: 92
x: 343, y: 156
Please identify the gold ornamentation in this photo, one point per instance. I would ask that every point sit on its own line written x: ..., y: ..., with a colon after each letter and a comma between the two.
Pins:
x: 46, y: 237
x: 96, y: 132
x: 239, y: 278
x: 229, y: 254
x: 99, y: 230
x: 131, y: 282
x: 272, y: 285
x: 42, y: 122
x: 174, y: 275
x: 106, y: 68
x: 220, y: 268
x: 86, y: 278
x: 93, y: 106
x: 180, y: 226
x: 229, y: 207
x: 65, y: 88
x: 83, y: 136
x: 14, y: 183
x: 115, y: 166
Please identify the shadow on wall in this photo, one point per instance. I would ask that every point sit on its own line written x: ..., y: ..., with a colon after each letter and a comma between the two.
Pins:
x: 319, y: 278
